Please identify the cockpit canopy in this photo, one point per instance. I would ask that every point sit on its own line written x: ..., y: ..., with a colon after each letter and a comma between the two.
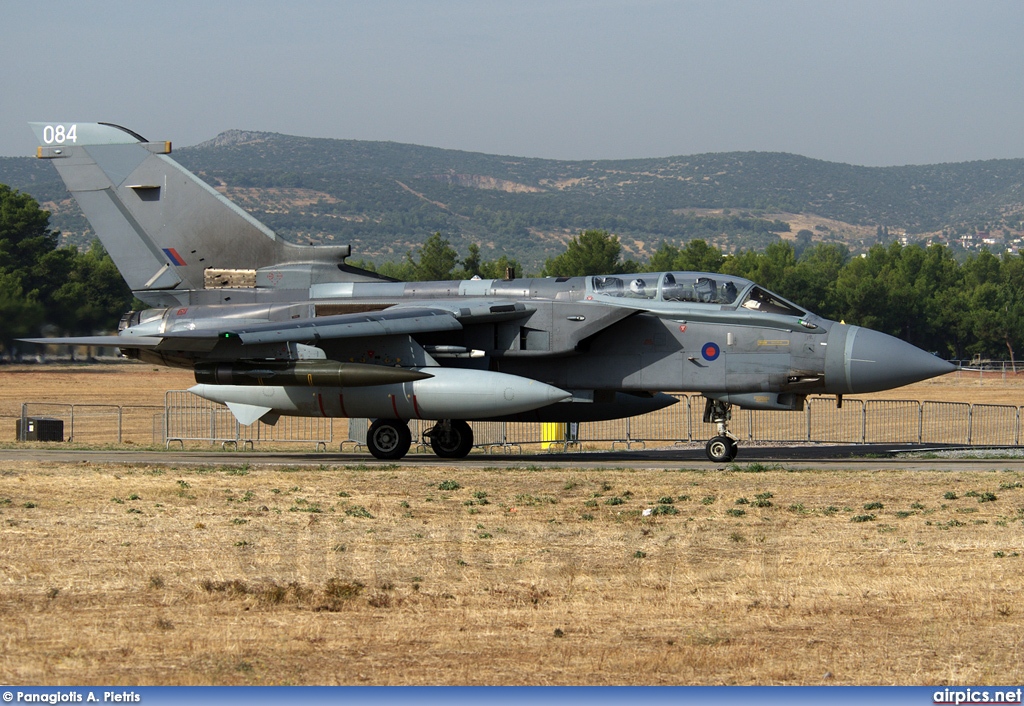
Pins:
x: 758, y: 299
x: 693, y: 287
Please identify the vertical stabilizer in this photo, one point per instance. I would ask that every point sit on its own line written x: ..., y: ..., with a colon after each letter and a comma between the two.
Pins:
x: 162, y: 225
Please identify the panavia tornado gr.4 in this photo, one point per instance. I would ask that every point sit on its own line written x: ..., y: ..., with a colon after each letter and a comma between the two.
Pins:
x: 273, y: 328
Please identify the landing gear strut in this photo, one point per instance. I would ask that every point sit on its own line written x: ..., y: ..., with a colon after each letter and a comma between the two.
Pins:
x: 450, y: 438
x: 721, y: 448
x: 388, y: 439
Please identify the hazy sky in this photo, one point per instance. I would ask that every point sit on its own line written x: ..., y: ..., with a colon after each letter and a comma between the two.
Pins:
x: 865, y: 82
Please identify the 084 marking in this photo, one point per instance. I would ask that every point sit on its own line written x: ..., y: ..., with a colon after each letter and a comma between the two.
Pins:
x: 58, y: 134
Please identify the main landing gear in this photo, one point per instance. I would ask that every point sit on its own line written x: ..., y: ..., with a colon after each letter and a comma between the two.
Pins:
x: 450, y: 438
x: 390, y: 439
x: 721, y: 448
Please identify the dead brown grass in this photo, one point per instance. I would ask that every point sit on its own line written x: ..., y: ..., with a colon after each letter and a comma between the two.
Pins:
x: 258, y: 575
x: 138, y: 388
x: 961, y: 386
x: 126, y: 383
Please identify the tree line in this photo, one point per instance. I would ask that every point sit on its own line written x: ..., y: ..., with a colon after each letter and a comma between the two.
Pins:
x: 920, y: 294
x: 44, y: 287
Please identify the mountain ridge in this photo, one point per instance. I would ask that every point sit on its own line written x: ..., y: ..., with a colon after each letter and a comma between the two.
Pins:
x: 386, y: 197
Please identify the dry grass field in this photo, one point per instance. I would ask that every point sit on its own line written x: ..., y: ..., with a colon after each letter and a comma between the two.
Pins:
x: 141, y: 387
x: 383, y: 574
x: 127, y: 383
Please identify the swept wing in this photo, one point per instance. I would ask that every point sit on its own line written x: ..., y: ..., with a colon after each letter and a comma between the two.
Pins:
x: 396, y: 320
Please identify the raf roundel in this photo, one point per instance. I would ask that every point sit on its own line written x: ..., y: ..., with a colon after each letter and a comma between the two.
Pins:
x: 710, y: 351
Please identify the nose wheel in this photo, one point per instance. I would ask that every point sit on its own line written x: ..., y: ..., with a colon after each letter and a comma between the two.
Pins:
x: 721, y: 448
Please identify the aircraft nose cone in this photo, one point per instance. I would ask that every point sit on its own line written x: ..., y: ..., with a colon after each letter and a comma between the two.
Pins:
x: 862, y: 360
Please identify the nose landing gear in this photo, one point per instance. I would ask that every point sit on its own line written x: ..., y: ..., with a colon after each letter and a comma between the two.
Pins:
x: 721, y: 448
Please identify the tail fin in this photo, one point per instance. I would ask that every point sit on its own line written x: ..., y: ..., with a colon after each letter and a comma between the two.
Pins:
x: 162, y: 225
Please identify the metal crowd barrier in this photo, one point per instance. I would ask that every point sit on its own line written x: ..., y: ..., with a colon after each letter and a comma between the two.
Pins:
x: 822, y: 421
x: 980, y: 369
x: 188, y: 418
x: 993, y: 425
x: 835, y: 425
x: 357, y: 428
x: 669, y: 425
x: 892, y: 421
x: 946, y: 422
x: 95, y: 423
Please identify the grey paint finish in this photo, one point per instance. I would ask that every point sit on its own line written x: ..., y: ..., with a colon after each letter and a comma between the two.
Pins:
x: 566, y: 349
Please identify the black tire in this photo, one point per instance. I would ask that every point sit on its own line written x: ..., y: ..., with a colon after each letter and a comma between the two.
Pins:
x: 388, y: 439
x: 455, y: 441
x: 721, y: 449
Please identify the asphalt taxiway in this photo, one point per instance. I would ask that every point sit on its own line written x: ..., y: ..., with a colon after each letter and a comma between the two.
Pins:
x: 794, y: 457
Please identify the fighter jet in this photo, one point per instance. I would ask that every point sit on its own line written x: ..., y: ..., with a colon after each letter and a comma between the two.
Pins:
x: 272, y: 328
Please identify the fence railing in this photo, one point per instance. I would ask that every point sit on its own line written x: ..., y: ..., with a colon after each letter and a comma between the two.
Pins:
x: 97, y: 423
x: 187, y: 418
x: 982, y: 369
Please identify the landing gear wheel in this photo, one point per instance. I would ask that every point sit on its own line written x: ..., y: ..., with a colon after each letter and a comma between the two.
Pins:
x: 721, y: 449
x: 451, y: 438
x: 389, y: 439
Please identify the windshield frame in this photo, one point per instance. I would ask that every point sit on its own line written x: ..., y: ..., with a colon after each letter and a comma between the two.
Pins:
x: 668, y: 291
x: 673, y: 287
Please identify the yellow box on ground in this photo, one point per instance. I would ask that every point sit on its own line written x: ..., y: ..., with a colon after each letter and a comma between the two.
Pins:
x: 552, y: 434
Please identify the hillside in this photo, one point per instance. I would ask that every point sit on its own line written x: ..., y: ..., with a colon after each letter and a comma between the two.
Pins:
x: 385, y: 198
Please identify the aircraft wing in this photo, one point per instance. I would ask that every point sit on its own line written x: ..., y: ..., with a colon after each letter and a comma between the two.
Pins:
x: 108, y: 341
x: 389, y: 322
x: 396, y: 320
x: 194, y: 344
